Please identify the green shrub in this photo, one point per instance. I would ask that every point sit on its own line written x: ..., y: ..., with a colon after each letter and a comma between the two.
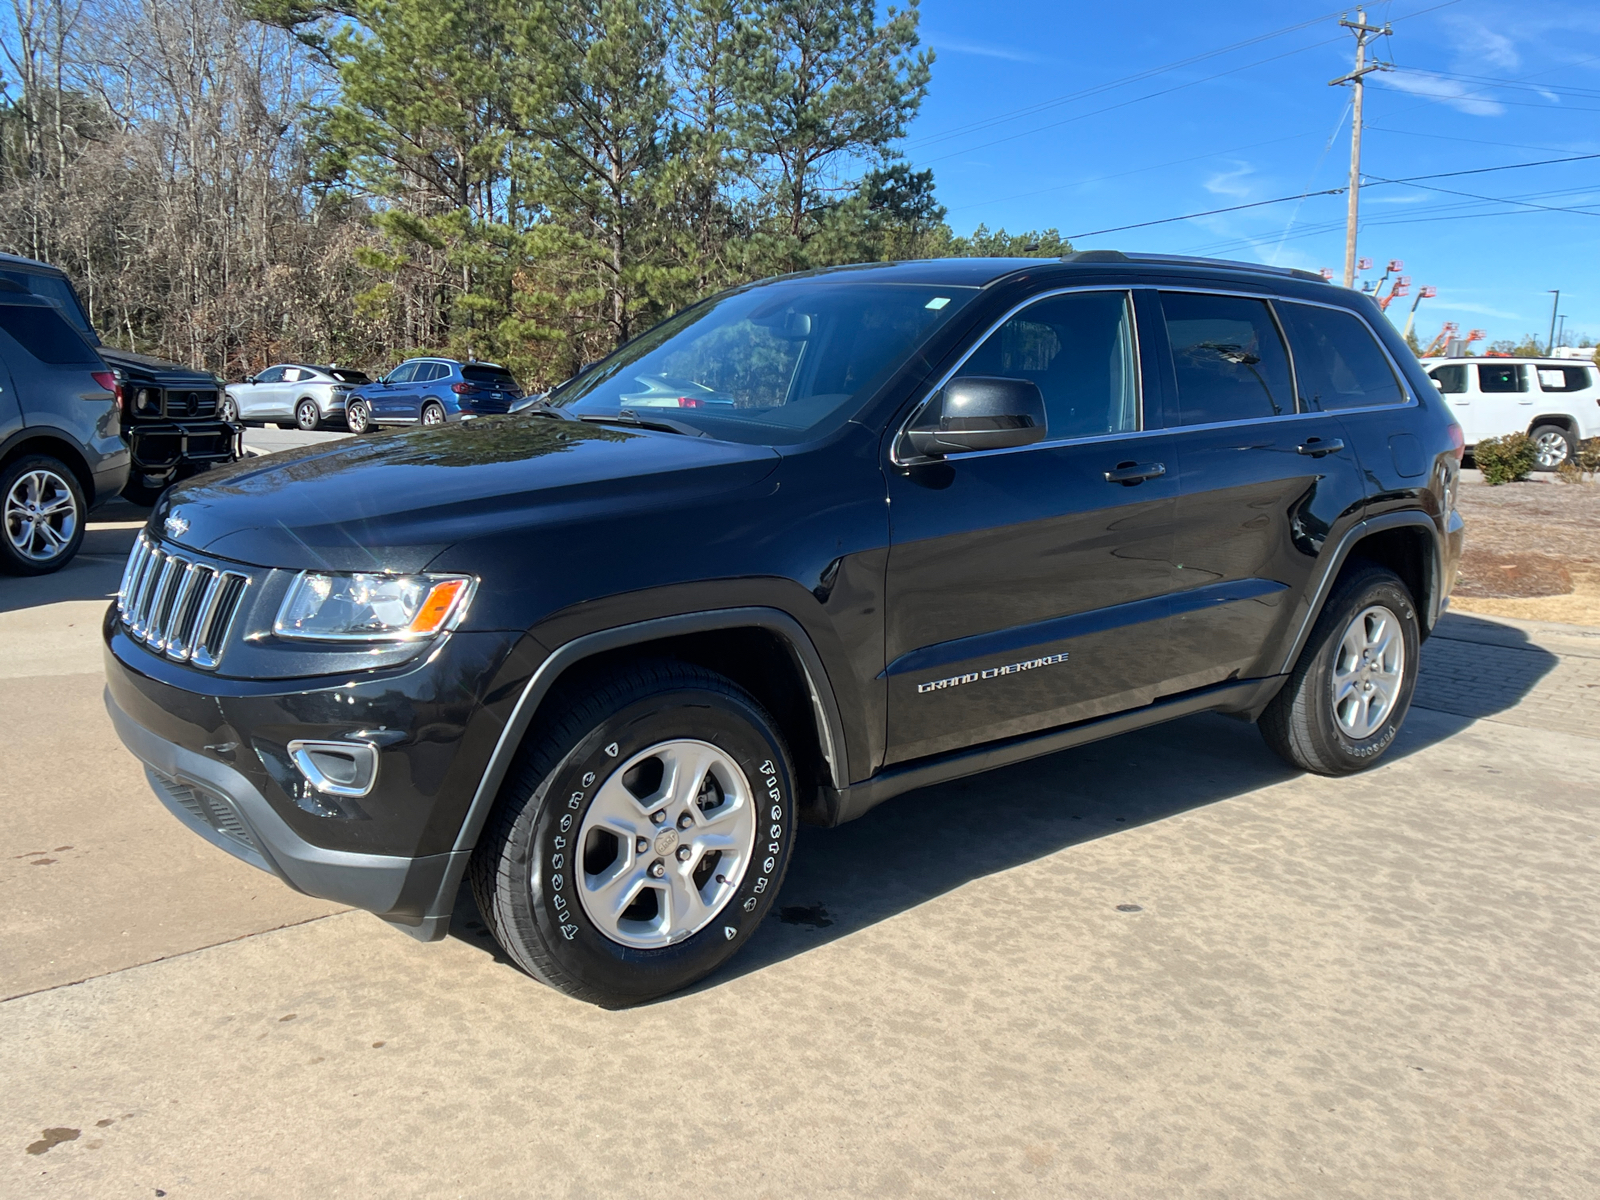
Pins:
x: 1506, y: 459
x: 1588, y: 456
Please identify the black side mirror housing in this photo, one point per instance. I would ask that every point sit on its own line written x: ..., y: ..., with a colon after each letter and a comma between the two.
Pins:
x: 249, y: 378
x: 980, y: 412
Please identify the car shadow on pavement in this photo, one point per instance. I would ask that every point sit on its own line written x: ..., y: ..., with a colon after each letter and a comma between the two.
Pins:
x: 926, y: 843
x: 95, y: 572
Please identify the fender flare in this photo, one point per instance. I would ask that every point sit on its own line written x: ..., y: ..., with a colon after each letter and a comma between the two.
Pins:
x: 824, y: 707
x: 1336, y: 561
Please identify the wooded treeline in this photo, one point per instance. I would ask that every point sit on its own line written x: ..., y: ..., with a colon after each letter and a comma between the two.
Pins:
x: 235, y: 182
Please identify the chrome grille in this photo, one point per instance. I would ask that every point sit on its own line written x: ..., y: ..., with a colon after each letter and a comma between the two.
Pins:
x: 178, y: 605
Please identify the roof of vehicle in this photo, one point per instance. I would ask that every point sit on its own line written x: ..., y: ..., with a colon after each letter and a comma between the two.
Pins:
x: 981, y: 272
x: 1502, y: 360
x: 454, y: 362
x: 19, y: 261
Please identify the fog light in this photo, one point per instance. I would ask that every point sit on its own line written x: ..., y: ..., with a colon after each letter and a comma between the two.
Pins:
x: 337, y: 768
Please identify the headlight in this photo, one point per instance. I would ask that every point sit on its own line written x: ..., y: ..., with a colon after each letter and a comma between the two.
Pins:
x: 371, y: 608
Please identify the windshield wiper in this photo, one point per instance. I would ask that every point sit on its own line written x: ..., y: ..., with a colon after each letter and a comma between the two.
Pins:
x: 627, y: 416
x: 542, y: 407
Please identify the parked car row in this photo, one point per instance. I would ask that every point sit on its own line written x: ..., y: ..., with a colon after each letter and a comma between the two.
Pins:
x: 1556, y: 402
x: 420, y: 391
x: 81, y: 422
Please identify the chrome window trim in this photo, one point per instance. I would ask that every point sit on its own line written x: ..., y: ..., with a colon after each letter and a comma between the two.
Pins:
x: 1138, y: 370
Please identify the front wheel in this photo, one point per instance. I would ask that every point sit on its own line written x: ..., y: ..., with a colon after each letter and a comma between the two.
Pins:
x: 1343, y: 704
x: 358, y: 416
x: 641, y: 835
x: 43, y: 512
x: 1552, y: 446
x: 230, y: 410
x: 307, y: 415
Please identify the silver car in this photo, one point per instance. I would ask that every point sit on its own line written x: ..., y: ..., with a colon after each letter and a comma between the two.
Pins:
x: 298, y: 392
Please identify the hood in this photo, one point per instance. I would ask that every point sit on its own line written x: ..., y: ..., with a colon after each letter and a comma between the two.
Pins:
x: 394, y: 501
x: 147, y: 366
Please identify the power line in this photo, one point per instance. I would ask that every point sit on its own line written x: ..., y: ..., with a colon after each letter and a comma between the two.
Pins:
x: 1339, y: 191
x: 1492, y: 199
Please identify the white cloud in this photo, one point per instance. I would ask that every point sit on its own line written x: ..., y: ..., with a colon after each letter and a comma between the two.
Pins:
x: 1231, y: 183
x: 1482, y: 44
x: 1445, y: 91
x: 1480, y: 310
x: 1410, y: 198
x: 982, y: 49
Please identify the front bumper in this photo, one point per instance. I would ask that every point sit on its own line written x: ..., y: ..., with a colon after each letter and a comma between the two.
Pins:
x: 165, y: 445
x: 214, y: 753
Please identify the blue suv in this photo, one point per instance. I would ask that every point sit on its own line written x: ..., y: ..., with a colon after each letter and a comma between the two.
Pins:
x: 431, y: 391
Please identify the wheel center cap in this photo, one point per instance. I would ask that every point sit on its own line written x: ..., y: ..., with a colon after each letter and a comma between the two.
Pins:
x: 666, y: 842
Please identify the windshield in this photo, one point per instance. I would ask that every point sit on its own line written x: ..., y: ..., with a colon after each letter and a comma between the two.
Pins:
x: 771, y: 365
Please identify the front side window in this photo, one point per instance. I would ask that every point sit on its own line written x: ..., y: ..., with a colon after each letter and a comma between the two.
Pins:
x: 1079, y: 349
x: 1228, y: 357
x: 404, y: 373
x: 772, y: 364
x: 1510, y: 378
x: 1563, y: 379
x: 1451, y: 378
x: 1337, y: 362
x: 271, y: 375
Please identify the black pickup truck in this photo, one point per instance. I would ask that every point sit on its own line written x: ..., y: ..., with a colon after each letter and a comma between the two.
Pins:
x: 600, y: 657
x: 170, y: 413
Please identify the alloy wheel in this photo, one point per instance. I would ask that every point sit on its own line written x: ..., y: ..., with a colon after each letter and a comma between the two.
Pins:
x: 305, y: 415
x: 1550, y: 450
x: 432, y: 414
x: 665, y: 843
x: 230, y: 410
x: 41, y: 515
x: 1368, y: 670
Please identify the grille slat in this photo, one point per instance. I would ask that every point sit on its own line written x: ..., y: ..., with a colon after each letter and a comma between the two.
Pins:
x: 178, y: 606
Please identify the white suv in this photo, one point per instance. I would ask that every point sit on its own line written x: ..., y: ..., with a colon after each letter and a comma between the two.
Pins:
x: 1556, y: 402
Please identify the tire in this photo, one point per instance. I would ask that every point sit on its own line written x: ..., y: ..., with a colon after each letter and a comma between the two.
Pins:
x: 358, y: 417
x: 1552, y: 446
x: 307, y: 415
x: 433, y: 413
x: 143, y: 494
x: 42, y: 515
x: 1303, y: 723
x: 541, y: 867
x: 230, y: 410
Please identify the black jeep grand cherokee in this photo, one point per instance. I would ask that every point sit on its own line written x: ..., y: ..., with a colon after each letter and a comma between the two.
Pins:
x: 807, y: 545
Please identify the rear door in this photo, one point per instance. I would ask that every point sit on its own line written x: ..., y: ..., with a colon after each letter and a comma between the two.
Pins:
x: 1504, y: 403
x: 1025, y: 588
x: 1265, y: 480
x: 10, y: 408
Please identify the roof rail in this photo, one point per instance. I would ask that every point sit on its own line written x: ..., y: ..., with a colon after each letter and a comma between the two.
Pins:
x: 1187, y: 260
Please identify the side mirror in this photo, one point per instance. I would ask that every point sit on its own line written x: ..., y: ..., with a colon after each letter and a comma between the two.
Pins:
x: 249, y: 379
x: 980, y: 413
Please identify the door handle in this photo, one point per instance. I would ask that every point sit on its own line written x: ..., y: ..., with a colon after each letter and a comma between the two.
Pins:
x: 1130, y: 473
x: 1317, y: 447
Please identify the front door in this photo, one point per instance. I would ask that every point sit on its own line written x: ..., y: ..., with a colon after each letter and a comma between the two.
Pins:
x: 394, y: 401
x: 1027, y: 588
x: 257, y: 400
x: 1265, y: 481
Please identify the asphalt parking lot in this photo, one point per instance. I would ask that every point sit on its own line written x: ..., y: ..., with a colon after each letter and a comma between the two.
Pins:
x: 1162, y: 965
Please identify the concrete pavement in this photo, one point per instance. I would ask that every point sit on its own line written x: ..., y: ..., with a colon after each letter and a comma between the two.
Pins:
x: 1159, y: 965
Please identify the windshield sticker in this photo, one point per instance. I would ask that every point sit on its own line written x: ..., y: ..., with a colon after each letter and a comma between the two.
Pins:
x: 1016, y: 668
x: 937, y: 302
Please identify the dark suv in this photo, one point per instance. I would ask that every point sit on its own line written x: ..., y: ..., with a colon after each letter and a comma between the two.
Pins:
x: 171, y: 419
x: 601, y: 659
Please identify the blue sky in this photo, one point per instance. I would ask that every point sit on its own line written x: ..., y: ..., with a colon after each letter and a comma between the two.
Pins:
x: 1482, y: 83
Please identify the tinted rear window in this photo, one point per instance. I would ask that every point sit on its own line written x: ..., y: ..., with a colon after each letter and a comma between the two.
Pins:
x: 44, y: 334
x: 1336, y: 361
x: 494, y: 376
x: 1229, y: 359
x: 55, y: 289
x: 344, y: 376
x: 1502, y: 379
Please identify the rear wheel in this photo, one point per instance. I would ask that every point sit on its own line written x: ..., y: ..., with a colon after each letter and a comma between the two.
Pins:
x: 306, y: 414
x: 640, y: 837
x: 1552, y: 446
x: 1351, y: 689
x: 433, y: 413
x: 42, y: 510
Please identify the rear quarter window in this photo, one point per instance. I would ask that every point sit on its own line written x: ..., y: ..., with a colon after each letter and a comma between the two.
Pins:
x: 45, y: 334
x: 1563, y: 379
x: 1338, y: 363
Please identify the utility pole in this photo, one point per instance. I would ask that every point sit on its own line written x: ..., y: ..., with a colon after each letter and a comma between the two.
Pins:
x: 1364, y: 35
x: 1554, y: 304
x: 1561, y: 333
